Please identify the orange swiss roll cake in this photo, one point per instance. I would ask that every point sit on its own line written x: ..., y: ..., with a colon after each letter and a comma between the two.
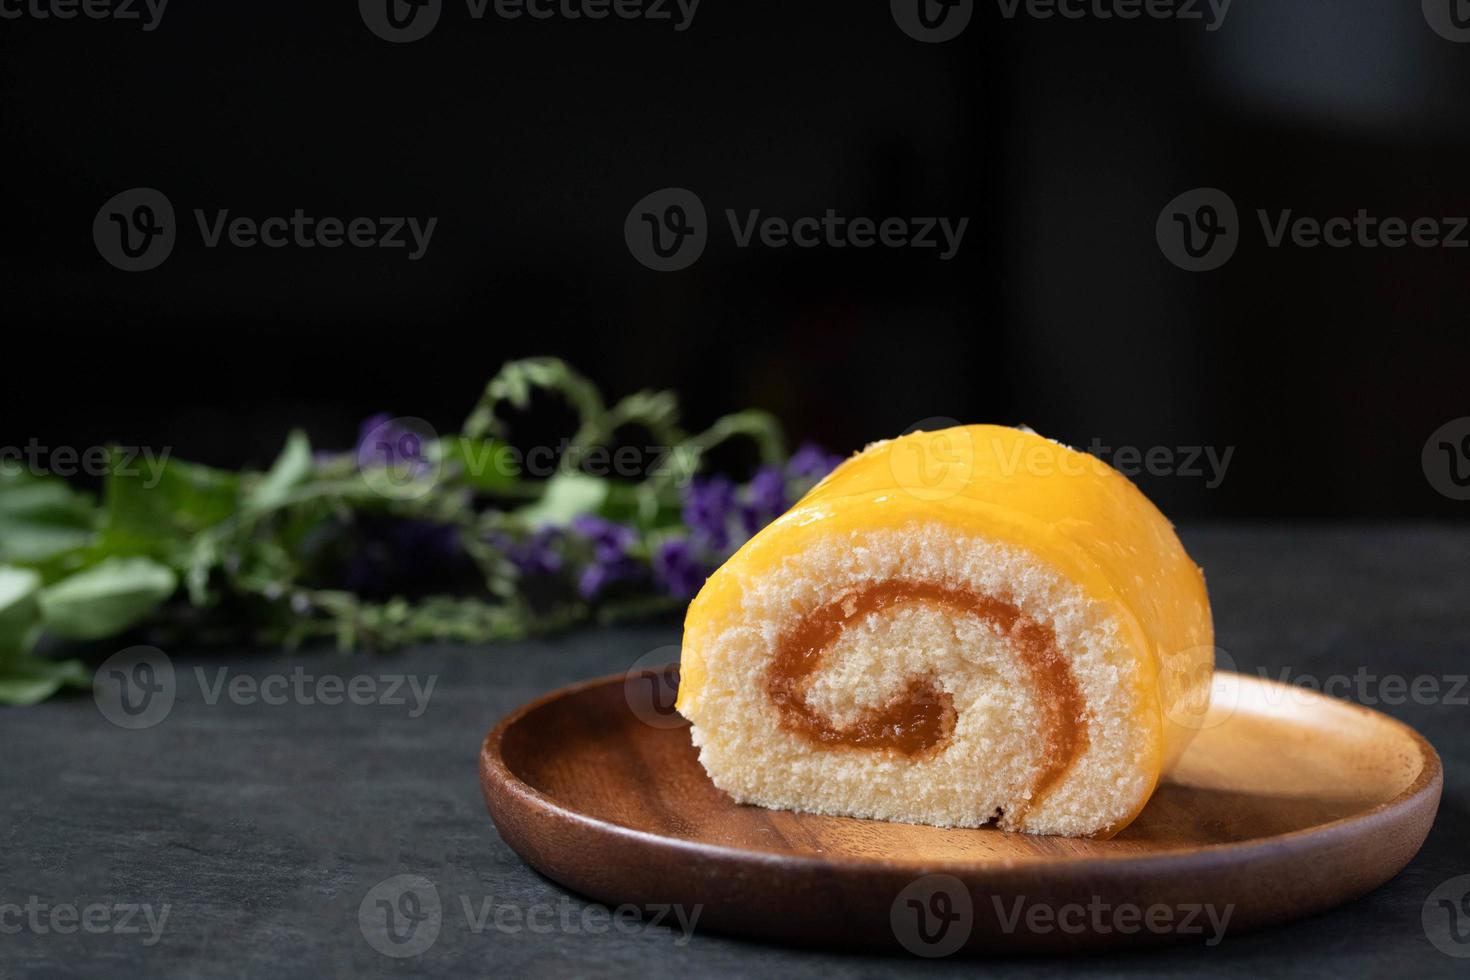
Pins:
x: 965, y: 627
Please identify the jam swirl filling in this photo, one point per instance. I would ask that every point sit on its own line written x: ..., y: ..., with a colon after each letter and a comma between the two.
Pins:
x: 920, y: 722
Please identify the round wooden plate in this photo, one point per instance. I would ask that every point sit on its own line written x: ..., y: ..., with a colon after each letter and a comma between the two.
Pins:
x: 1287, y: 803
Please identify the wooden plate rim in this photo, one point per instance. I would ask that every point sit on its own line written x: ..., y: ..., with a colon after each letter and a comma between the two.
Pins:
x: 1428, y: 783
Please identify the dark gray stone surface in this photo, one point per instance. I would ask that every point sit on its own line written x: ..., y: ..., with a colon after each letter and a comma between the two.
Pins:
x: 262, y: 828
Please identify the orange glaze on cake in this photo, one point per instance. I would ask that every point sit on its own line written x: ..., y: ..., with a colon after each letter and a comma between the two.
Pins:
x: 921, y: 721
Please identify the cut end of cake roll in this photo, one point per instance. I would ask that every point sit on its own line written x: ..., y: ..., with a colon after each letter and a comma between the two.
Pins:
x: 948, y: 632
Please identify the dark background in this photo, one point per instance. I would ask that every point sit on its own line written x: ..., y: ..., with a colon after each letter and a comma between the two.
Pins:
x: 1326, y: 369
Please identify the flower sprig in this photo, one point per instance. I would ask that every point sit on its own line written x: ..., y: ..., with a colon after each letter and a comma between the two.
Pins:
x: 410, y: 537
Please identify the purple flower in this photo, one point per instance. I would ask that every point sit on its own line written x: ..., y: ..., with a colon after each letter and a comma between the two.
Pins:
x: 765, y: 499
x: 676, y: 569
x: 600, y: 574
x: 610, y: 541
x: 610, y: 559
x: 381, y: 441
x: 707, y: 508
x: 767, y: 490
x: 536, y: 554
x: 811, y: 462
x: 594, y: 579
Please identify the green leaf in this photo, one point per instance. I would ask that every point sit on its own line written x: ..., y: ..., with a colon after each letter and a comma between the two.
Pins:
x: 27, y: 680
x: 19, y: 611
x: 107, y: 598
x: 486, y: 464
x: 42, y: 519
x: 567, y: 495
x: 292, y: 469
x: 156, y: 510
